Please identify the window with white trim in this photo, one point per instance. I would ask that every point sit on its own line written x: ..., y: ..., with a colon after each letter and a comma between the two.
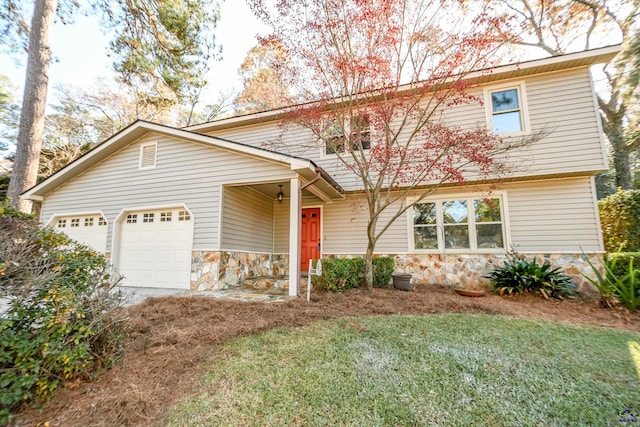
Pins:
x: 184, y: 216
x: 148, y: 156
x: 506, y: 109
x: 75, y: 222
x: 359, y: 130
x: 62, y: 223
x: 147, y: 217
x: 88, y: 222
x: 132, y: 218
x: 165, y: 216
x: 461, y: 223
x: 102, y: 221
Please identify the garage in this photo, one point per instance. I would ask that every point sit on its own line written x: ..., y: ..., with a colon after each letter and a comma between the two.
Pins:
x: 155, y: 248
x: 88, y: 229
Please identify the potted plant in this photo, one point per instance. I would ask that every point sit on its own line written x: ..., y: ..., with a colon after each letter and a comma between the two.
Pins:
x: 402, y: 281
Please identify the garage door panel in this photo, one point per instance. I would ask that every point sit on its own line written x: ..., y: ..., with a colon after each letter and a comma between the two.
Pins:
x: 88, y: 229
x: 156, y: 253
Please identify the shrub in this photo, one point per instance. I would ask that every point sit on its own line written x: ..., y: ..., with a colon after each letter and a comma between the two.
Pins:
x: 382, y: 270
x: 620, y: 220
x: 62, y: 321
x: 519, y: 276
x: 340, y: 274
x: 620, y: 281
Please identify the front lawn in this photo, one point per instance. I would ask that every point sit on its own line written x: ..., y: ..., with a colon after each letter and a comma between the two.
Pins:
x: 447, y: 369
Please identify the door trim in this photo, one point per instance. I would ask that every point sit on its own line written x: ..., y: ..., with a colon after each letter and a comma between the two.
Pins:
x: 321, y: 207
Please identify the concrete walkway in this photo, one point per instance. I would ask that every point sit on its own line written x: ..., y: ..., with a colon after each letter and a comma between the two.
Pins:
x: 137, y: 295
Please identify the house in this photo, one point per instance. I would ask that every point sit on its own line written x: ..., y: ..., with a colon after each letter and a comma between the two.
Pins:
x: 208, y: 206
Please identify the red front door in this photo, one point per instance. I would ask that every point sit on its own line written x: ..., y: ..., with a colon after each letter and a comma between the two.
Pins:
x: 310, y: 232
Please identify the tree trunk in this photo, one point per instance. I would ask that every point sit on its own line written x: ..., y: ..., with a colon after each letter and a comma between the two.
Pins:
x: 368, y: 267
x: 29, y: 143
x: 621, y: 162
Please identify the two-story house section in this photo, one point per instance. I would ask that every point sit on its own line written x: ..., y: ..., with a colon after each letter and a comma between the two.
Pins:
x: 212, y: 205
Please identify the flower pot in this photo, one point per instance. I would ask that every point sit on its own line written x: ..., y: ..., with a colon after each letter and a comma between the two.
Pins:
x: 402, y: 281
x: 470, y: 292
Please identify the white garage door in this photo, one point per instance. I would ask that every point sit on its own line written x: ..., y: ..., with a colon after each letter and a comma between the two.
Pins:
x: 90, y: 230
x: 155, y: 248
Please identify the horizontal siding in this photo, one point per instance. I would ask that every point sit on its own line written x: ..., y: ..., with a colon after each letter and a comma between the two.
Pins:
x: 544, y: 216
x: 186, y: 173
x: 561, y: 103
x: 557, y: 215
x: 247, y: 220
x: 281, y: 227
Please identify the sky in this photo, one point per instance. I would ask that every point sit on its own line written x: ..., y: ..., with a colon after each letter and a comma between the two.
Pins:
x: 80, y: 53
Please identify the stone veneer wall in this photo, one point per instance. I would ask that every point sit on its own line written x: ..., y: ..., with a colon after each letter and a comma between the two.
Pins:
x: 216, y: 270
x: 467, y: 270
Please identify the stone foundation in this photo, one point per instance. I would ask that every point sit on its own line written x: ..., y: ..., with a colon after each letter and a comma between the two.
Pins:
x: 467, y: 270
x: 217, y: 270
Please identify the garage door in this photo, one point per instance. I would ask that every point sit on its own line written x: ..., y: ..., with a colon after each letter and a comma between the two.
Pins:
x: 90, y: 230
x: 155, y: 248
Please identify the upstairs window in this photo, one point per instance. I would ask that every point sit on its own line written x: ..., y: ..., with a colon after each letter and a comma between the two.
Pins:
x: 506, y: 109
x: 148, y: 155
x: 334, y: 138
x: 359, y: 130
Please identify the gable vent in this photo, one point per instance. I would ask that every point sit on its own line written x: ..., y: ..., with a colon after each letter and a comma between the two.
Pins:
x: 148, y: 156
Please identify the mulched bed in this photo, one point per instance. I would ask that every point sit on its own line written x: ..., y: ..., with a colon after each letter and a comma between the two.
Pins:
x: 172, y: 339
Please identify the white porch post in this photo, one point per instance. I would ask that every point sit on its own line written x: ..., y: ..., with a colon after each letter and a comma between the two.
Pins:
x: 294, y: 237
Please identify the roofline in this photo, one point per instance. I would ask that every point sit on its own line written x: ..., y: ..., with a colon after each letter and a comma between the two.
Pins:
x: 67, y: 172
x: 592, y: 56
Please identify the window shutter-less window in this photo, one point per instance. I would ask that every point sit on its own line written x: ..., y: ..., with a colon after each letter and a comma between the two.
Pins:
x: 148, y: 156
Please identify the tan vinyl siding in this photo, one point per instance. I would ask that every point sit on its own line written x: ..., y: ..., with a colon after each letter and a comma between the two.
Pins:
x: 345, y: 229
x: 247, y: 220
x: 554, y: 216
x: 281, y: 227
x: 543, y: 216
x: 560, y: 103
x: 186, y: 173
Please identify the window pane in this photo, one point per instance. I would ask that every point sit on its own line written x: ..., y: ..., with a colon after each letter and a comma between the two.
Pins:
x: 425, y: 237
x: 505, y: 100
x: 455, y: 212
x: 507, y: 122
x: 489, y: 236
x: 487, y: 210
x: 424, y: 213
x: 456, y: 236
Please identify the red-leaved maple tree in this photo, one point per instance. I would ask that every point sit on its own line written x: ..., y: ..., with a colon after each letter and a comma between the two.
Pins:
x: 379, y: 77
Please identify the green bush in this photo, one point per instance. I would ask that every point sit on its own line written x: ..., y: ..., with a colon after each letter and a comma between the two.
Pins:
x: 383, y: 268
x: 620, y: 281
x: 519, y: 276
x: 620, y: 220
x: 340, y: 274
x: 62, y: 320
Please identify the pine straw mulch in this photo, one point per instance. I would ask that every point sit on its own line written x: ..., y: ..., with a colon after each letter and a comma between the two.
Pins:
x: 171, y: 339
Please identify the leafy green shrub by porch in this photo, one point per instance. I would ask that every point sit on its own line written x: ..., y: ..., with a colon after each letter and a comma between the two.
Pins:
x: 62, y: 320
x: 519, y: 276
x: 340, y: 274
x: 382, y: 270
x: 620, y: 221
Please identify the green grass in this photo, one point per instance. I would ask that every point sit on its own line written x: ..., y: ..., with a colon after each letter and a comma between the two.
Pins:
x: 408, y: 370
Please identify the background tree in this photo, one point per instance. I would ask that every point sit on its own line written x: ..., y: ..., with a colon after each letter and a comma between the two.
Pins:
x: 261, y: 74
x: 160, y: 49
x: 377, y: 76
x: 559, y: 26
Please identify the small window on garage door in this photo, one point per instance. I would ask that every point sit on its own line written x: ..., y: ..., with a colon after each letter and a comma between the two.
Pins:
x: 88, y: 229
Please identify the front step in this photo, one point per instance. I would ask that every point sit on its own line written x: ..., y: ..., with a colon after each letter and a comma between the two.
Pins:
x: 273, y: 282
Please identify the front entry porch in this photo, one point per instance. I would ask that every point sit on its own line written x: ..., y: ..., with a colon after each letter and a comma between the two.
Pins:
x: 261, y: 246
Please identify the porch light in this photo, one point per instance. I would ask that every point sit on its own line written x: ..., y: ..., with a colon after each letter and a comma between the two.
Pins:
x: 280, y: 195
